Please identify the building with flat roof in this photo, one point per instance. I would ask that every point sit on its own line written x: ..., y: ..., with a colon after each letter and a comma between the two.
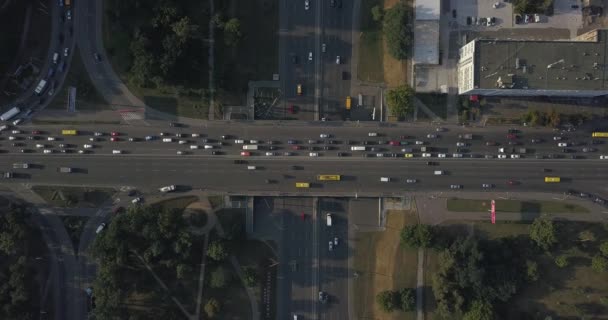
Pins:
x: 426, y: 31
x: 573, y: 68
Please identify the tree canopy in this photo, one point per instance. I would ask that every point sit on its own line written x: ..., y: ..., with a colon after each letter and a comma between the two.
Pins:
x: 400, y: 101
x: 542, y: 232
x: 397, y: 30
x: 417, y: 236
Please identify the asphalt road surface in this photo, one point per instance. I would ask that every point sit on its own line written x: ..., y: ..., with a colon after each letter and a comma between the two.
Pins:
x: 333, y: 270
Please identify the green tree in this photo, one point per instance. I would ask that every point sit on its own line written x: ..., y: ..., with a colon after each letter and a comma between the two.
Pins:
x: 480, y: 310
x: 561, y: 261
x: 399, y: 101
x: 232, y: 30
x: 604, y: 248
x: 184, y: 29
x: 217, y: 251
x: 387, y: 300
x: 407, y: 299
x: 532, y: 270
x: 586, y: 235
x: 219, y: 278
x: 599, y: 263
x: 397, y: 30
x: 251, y: 276
x: 182, y: 270
x: 377, y: 13
x: 542, y: 232
x: 417, y: 236
x: 212, y: 307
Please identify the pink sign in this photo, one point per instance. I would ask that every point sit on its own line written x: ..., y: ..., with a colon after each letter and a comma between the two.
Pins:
x: 493, y: 212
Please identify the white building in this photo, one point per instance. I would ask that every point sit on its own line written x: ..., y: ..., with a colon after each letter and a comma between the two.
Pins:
x: 426, y: 32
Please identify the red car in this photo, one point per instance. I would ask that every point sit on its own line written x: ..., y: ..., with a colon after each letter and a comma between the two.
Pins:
x: 292, y: 109
x: 36, y: 132
x: 303, y: 216
x: 512, y: 136
x: 295, y: 147
x: 115, y: 134
x: 512, y: 182
x: 114, y: 139
x: 245, y: 153
x: 491, y: 143
x: 394, y: 143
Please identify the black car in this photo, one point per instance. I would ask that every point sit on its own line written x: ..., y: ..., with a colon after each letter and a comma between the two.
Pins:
x: 240, y: 161
x: 291, y: 141
x: 175, y: 124
x: 431, y: 163
x: 216, y: 153
x: 327, y: 147
x: 18, y: 144
x: 596, y: 142
x: 226, y: 136
x: 273, y: 148
x: 294, y: 59
x: 342, y: 154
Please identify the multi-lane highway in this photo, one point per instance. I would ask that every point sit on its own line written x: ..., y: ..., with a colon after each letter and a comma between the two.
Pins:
x: 157, y: 162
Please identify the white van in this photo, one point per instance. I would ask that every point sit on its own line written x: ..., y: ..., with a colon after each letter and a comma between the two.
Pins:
x: 328, y: 219
x: 357, y: 148
x: 251, y: 168
x: 438, y: 172
x: 385, y: 179
x: 250, y: 147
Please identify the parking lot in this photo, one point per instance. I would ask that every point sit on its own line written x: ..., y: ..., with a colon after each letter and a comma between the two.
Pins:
x: 564, y: 16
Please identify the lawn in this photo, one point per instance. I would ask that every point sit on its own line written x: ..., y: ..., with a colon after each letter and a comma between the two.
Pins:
x: 381, y: 263
x: 74, y: 196
x: 515, y: 206
x: 572, y: 292
x: 370, y: 44
x: 87, y: 97
x: 179, y: 203
x: 437, y: 102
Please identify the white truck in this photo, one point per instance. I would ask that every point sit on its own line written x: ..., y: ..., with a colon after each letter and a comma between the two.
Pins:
x: 40, y: 87
x: 357, y: 148
x: 328, y: 219
x: 10, y: 114
x: 250, y: 147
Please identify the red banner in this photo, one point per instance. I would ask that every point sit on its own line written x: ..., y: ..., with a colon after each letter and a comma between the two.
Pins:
x: 493, y: 212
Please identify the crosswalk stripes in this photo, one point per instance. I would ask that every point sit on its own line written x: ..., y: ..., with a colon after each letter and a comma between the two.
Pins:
x: 127, y: 116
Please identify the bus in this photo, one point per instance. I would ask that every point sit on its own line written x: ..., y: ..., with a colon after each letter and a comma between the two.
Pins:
x: 552, y: 179
x: 328, y: 177
x: 69, y: 132
x: 599, y: 135
x: 302, y: 185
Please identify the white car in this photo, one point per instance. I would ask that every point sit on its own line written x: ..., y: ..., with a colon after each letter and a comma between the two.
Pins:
x: 441, y: 155
x: 48, y: 151
x: 182, y: 142
x: 39, y: 146
x: 66, y: 51
x: 557, y: 138
x: 372, y: 134
x: 502, y: 156
x: 338, y: 60
x: 385, y: 179
x: 460, y: 144
x: 426, y: 155
x: 239, y: 141
x: 310, y: 56
x: 324, y: 135
x: 411, y: 180
x: 51, y: 138
x: 562, y: 144
x: 306, y: 4
x: 419, y: 142
x: 313, y: 154
x: 92, y: 139
x: 455, y: 186
x: 167, y: 188
x: 487, y: 185
x: 379, y: 155
x: 208, y: 146
x: 100, y: 228
x: 11, y: 138
x: 269, y: 154
x: 331, y: 245
x: 167, y: 139
x: 116, y: 151
x: 88, y: 146
x: 193, y: 147
x: 431, y: 136
x: 136, y: 200
x: 514, y: 156
x: 82, y: 151
x: 195, y: 135
x: 604, y: 157
x: 457, y: 155
x: 335, y: 241
x: 253, y: 141
x: 16, y: 131
x: 181, y: 153
x: 98, y: 134
x: 440, y: 129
